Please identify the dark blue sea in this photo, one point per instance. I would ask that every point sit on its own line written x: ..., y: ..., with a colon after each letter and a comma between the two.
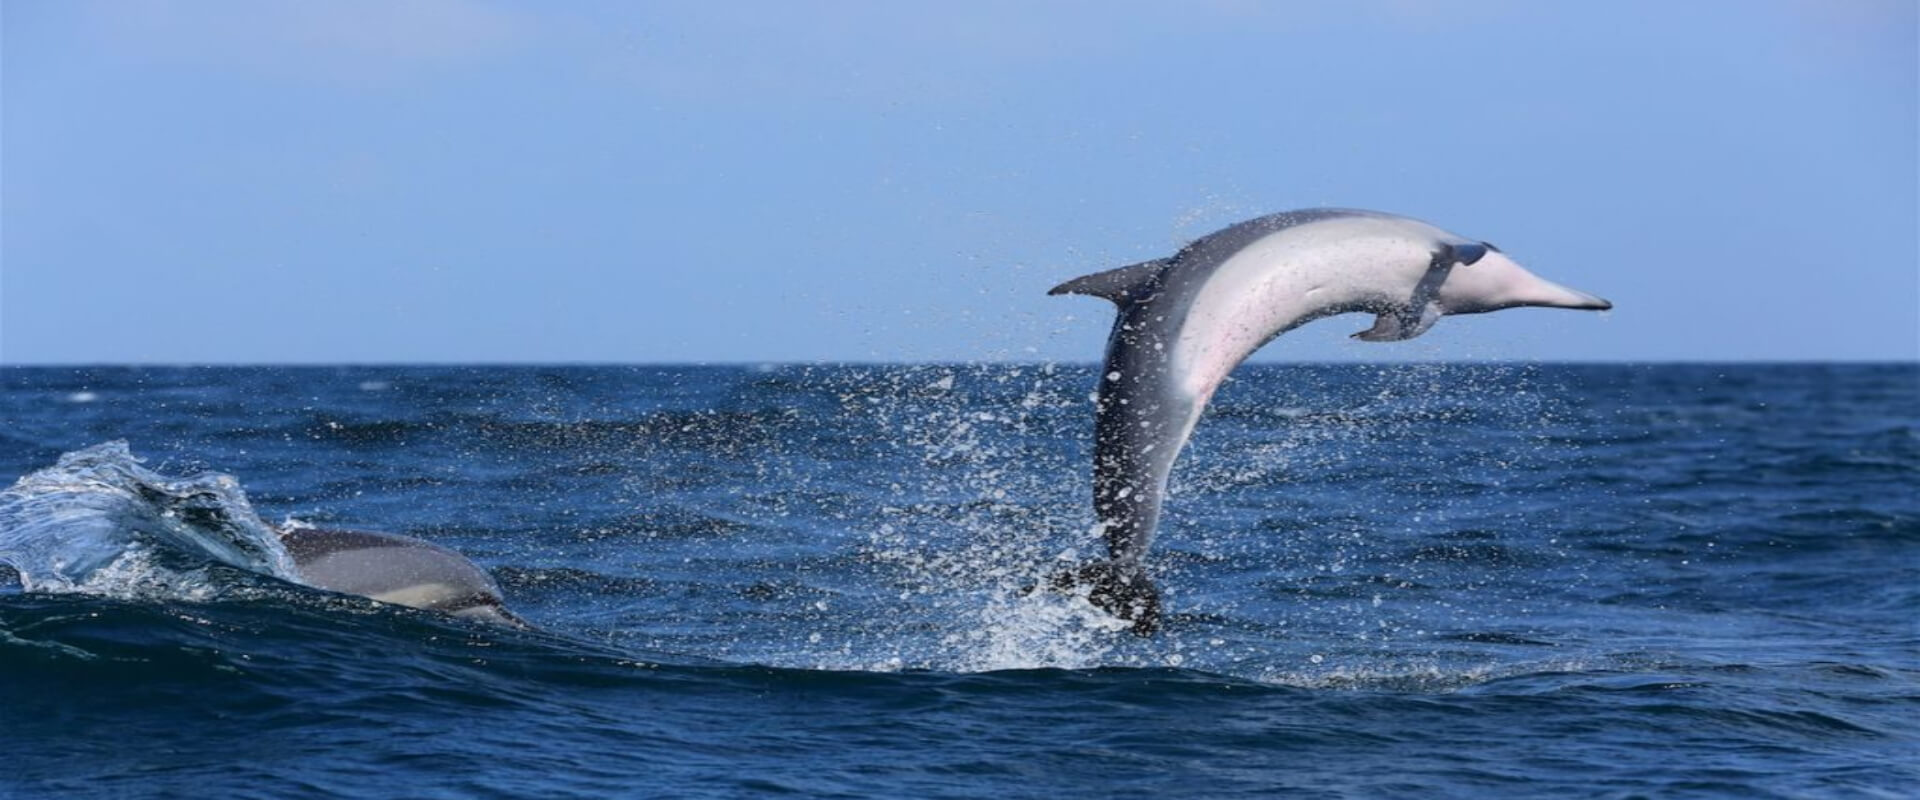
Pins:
x: 1407, y: 581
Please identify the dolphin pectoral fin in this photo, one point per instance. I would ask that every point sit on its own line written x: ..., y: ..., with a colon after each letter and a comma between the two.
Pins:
x: 1123, y: 285
x: 1386, y: 328
x: 1399, y: 326
x: 1123, y: 591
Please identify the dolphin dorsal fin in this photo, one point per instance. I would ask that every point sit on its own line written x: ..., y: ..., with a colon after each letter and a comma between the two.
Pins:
x: 1124, y: 285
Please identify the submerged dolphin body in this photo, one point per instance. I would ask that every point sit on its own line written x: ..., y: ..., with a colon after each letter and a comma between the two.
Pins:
x: 1186, y: 321
x: 396, y: 569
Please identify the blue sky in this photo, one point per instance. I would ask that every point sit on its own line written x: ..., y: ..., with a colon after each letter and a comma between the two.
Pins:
x: 465, y: 181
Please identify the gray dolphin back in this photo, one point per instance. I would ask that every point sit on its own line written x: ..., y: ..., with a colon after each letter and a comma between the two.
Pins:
x: 1141, y: 423
x: 396, y: 569
x: 1187, y: 321
x: 1141, y: 418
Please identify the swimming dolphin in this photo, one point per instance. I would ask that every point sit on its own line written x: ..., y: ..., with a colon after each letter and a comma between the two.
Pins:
x: 396, y: 569
x: 1186, y: 321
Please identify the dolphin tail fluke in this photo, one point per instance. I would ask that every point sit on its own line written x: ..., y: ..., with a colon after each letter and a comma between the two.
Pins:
x: 1124, y: 285
x: 1122, y: 590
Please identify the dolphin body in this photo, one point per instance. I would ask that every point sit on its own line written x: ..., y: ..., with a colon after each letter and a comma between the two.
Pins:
x: 1186, y: 321
x: 396, y: 569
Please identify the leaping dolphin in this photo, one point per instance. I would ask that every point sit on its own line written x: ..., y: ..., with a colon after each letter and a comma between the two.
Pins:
x: 396, y: 569
x: 1186, y: 321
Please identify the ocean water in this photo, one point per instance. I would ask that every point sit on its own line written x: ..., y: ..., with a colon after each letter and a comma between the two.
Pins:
x: 1382, y: 581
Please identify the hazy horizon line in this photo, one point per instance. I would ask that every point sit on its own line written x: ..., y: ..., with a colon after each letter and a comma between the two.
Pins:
x: 752, y: 363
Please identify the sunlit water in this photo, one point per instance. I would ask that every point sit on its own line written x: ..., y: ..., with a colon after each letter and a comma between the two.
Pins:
x: 1408, y: 581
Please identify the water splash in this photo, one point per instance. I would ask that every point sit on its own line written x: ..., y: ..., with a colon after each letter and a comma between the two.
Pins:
x: 985, y: 499
x: 97, y: 522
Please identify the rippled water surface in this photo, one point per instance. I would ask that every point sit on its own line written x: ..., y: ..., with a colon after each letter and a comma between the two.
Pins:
x: 1383, y: 581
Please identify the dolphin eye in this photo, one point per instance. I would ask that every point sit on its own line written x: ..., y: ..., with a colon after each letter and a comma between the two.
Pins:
x: 1466, y: 255
x: 1493, y: 248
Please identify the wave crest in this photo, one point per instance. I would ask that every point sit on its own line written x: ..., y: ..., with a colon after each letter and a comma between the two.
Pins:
x: 97, y: 522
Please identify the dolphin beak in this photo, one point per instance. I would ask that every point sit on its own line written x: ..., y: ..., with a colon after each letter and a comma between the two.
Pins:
x: 1548, y: 294
x: 1496, y: 282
